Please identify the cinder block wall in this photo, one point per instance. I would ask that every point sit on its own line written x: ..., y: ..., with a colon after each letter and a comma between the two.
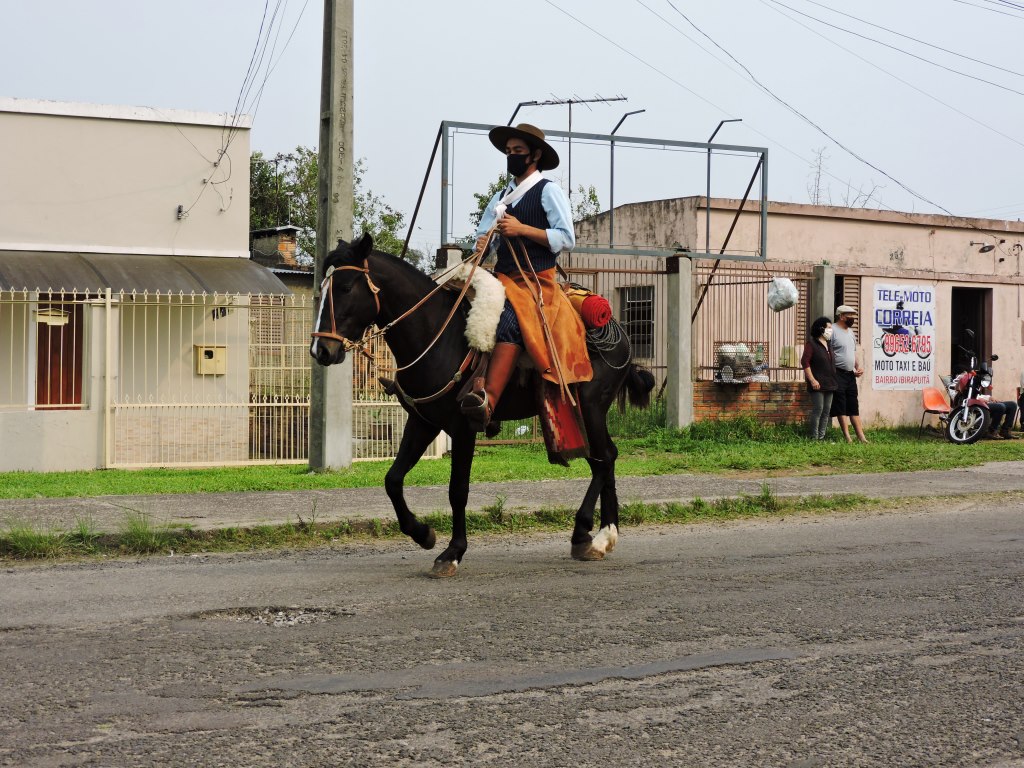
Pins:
x: 773, y: 402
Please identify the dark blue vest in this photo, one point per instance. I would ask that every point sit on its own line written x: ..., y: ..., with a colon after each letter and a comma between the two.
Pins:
x: 529, y: 211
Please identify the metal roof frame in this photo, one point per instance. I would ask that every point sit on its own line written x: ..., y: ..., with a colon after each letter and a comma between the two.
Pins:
x: 444, y: 136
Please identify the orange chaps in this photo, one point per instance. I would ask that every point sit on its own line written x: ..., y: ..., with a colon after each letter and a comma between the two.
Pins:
x: 567, y: 330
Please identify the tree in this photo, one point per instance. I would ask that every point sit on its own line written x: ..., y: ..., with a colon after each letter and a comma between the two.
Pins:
x: 483, y: 198
x: 289, y: 184
x: 588, y: 204
x: 820, y: 192
x: 267, y: 201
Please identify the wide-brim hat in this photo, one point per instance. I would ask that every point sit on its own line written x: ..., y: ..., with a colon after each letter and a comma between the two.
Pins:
x: 534, y: 138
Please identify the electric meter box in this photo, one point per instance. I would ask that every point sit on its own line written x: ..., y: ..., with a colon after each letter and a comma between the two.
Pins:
x: 211, y: 359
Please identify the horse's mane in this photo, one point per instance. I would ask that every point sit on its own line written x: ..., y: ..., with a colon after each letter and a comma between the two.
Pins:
x: 345, y: 255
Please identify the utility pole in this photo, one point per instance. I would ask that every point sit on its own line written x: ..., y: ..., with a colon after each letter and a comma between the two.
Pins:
x: 330, y: 406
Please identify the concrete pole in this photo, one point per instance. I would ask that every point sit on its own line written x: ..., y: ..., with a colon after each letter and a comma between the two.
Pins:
x: 330, y: 407
x: 679, y: 389
x: 821, y: 298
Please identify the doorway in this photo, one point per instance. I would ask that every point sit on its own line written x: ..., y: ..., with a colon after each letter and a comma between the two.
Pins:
x: 58, y: 355
x: 971, y: 308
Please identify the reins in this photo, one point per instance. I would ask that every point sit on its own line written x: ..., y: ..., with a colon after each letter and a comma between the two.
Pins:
x: 327, y: 286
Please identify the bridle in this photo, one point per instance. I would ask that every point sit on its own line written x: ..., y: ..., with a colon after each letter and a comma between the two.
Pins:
x: 327, y: 289
x: 327, y: 285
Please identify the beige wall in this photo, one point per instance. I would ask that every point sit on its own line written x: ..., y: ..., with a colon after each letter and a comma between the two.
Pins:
x: 50, y: 441
x: 107, y: 179
x: 870, y: 245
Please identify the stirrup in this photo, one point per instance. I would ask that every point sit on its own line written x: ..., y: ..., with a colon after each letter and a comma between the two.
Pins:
x: 477, y: 410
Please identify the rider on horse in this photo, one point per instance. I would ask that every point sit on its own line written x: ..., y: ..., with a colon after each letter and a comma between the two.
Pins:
x: 537, y: 315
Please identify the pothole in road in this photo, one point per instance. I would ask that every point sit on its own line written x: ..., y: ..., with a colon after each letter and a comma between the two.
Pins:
x: 275, y: 616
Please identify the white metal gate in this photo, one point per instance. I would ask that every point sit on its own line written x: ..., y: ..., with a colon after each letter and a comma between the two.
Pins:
x: 175, y: 380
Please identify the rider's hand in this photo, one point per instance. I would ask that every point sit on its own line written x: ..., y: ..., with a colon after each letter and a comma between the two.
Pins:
x: 510, y: 226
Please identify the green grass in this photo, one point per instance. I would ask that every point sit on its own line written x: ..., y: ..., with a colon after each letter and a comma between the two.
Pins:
x: 138, y: 536
x: 742, y: 445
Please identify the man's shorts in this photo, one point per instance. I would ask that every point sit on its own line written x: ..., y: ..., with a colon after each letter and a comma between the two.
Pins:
x: 509, y: 331
x: 844, y: 402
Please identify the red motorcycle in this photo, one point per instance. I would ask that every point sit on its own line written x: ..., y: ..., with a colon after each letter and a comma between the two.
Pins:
x: 969, y: 417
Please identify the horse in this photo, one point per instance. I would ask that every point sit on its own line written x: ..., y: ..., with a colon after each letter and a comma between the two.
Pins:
x: 364, y: 287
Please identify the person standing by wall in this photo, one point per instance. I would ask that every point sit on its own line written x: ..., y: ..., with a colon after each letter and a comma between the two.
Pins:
x: 820, y: 371
x: 845, y: 405
x: 1020, y: 400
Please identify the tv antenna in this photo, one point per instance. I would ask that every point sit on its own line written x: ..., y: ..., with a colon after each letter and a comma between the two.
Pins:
x: 569, y: 102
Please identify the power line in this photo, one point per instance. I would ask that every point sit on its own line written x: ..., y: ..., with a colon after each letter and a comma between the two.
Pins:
x: 808, y: 120
x: 900, y: 50
x: 993, y: 10
x: 1007, y: 3
x: 749, y: 125
x: 634, y: 56
x: 896, y: 77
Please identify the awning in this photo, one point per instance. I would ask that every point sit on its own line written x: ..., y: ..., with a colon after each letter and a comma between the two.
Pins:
x: 93, y: 272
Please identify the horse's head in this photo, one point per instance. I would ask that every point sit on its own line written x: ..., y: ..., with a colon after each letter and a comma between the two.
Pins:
x: 348, y: 302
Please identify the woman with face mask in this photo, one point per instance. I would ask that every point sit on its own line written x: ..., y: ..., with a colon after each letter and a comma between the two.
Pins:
x: 820, y: 371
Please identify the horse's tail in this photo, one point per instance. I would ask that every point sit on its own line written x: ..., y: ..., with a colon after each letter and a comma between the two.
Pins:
x: 638, y: 384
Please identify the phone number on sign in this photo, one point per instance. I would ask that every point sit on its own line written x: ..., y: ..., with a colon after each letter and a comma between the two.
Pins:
x: 893, y: 343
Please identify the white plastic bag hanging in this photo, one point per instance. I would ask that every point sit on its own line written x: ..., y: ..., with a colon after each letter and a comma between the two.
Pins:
x: 782, y: 294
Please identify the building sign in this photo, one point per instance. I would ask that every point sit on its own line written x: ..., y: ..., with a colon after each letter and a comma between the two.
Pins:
x: 902, y: 336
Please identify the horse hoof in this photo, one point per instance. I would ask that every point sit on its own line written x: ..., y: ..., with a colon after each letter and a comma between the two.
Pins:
x: 430, y: 540
x: 606, y: 538
x: 444, y: 570
x: 586, y: 552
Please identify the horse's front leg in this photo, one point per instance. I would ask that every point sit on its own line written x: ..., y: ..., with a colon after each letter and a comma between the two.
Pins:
x: 463, y: 443
x: 582, y: 542
x: 602, y: 483
x: 418, y: 434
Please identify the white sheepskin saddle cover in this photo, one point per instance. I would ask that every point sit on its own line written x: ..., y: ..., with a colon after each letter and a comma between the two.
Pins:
x: 487, y: 299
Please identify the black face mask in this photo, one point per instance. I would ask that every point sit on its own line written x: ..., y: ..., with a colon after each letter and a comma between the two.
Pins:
x: 851, y: 321
x: 517, y: 164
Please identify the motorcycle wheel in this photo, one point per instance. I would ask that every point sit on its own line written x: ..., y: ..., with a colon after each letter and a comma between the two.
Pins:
x: 968, y: 424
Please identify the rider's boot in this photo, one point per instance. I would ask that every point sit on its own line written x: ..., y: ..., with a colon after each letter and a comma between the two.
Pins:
x: 478, y: 404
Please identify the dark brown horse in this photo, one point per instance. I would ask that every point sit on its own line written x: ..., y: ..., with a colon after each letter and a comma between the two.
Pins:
x: 364, y: 287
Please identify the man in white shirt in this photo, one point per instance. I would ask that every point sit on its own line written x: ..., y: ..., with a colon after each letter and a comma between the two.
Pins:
x: 845, y: 405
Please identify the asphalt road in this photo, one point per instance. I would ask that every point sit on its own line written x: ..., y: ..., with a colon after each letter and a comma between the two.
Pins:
x: 881, y: 639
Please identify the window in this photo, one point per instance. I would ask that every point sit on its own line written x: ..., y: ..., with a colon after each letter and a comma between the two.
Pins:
x: 636, y: 313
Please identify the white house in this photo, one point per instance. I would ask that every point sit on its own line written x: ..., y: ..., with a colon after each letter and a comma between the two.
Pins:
x: 125, y: 286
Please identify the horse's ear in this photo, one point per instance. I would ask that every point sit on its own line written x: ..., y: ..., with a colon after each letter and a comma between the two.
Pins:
x: 339, y: 249
x: 363, y: 245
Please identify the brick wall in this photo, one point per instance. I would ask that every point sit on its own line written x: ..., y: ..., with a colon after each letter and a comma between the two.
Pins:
x: 774, y: 402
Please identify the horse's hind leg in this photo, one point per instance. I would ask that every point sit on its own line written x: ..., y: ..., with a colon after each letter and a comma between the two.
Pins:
x: 417, y: 436
x: 463, y: 443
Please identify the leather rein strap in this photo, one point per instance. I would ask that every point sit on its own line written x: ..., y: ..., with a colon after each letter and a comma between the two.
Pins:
x: 328, y: 286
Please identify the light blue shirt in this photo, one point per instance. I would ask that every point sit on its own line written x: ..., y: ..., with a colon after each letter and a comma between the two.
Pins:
x: 561, y: 236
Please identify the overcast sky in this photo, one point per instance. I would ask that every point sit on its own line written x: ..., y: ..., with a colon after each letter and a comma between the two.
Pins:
x: 929, y: 138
